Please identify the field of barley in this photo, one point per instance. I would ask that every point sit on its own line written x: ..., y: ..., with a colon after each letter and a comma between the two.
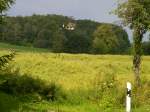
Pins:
x: 80, y: 76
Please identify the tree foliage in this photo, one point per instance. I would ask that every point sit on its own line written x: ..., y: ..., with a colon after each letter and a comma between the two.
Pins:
x: 107, y: 40
x: 136, y: 15
x: 77, y: 42
x: 47, y: 32
x: 4, y: 6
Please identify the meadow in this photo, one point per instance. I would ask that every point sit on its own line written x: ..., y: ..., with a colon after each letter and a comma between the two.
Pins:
x: 91, y: 83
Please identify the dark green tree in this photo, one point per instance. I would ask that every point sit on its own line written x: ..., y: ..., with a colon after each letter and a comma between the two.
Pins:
x: 28, y: 31
x: 108, y: 39
x: 59, y: 40
x: 77, y: 42
x: 44, y: 39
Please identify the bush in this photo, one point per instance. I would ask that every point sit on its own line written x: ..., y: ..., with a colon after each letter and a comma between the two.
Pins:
x: 5, y: 59
x: 21, y: 85
x: 15, y: 84
x: 53, y: 92
x: 106, y: 88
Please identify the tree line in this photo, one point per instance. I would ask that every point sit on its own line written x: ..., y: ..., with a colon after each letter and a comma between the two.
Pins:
x: 47, y: 31
x: 146, y: 47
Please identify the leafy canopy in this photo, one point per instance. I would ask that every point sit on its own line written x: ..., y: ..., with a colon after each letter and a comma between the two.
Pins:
x: 135, y: 13
x: 106, y: 40
x: 5, y: 4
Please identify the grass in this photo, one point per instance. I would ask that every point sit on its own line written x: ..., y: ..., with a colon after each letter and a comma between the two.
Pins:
x: 6, y: 46
x: 77, y: 73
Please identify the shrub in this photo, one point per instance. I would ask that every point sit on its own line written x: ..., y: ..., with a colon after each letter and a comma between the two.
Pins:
x: 12, y: 82
x: 21, y: 85
x: 5, y: 59
x: 16, y: 84
x: 106, y: 88
x: 53, y: 92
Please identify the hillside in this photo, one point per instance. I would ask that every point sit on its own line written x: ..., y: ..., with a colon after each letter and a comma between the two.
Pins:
x: 78, y: 75
x: 50, y: 32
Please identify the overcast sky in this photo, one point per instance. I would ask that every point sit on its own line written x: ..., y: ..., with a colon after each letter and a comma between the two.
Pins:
x: 80, y: 9
x: 97, y: 10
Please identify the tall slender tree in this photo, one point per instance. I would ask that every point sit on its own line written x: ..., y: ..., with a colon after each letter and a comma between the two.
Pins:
x: 136, y: 15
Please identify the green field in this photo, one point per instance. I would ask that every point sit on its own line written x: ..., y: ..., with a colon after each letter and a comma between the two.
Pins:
x: 5, y: 46
x: 78, y: 75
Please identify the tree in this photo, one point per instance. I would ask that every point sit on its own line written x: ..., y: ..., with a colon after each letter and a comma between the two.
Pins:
x: 77, y: 42
x: 123, y: 39
x: 44, y: 39
x: 47, y: 30
x: 58, y: 43
x: 29, y: 32
x: 89, y: 28
x: 109, y: 39
x: 4, y: 6
x: 136, y: 15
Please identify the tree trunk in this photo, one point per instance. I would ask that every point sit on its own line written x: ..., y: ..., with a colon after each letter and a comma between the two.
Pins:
x: 137, y: 55
x: 136, y: 65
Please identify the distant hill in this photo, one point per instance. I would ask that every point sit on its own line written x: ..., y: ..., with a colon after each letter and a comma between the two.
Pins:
x: 49, y: 31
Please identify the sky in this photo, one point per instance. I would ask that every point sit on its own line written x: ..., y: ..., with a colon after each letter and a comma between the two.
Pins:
x: 80, y: 9
x: 97, y: 10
